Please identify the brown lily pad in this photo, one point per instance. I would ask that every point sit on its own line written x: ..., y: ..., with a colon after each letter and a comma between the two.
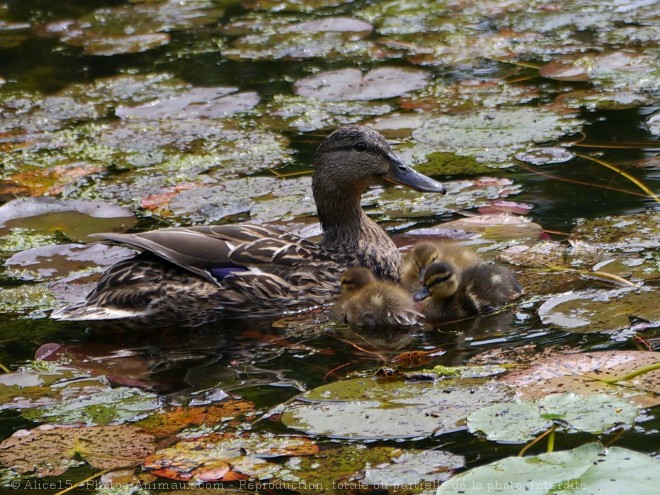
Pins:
x: 171, y: 422
x: 584, y: 374
x: 46, y: 451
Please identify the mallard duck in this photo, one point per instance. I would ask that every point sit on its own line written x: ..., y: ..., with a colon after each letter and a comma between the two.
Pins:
x: 425, y: 253
x: 368, y: 302
x: 189, y: 276
x: 451, y: 293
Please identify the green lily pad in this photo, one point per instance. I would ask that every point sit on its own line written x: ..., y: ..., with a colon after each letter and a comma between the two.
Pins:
x: 50, y: 451
x: 630, y: 233
x: 600, y: 311
x: 515, y: 422
x: 593, y: 413
x: 367, y: 408
x: 493, y: 136
x: 96, y: 406
x: 519, y: 422
x: 584, y: 470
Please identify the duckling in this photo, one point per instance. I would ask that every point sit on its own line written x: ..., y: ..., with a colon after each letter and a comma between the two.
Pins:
x: 451, y: 293
x: 368, y: 302
x: 425, y: 253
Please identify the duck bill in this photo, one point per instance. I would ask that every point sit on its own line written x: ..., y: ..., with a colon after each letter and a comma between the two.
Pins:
x: 422, y: 294
x: 402, y: 174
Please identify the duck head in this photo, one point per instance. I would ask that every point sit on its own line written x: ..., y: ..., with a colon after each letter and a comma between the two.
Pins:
x: 353, y: 279
x: 440, y: 282
x: 354, y: 157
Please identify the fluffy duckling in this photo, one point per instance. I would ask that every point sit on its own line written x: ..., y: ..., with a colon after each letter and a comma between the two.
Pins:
x: 368, y: 302
x: 450, y: 293
x: 425, y: 253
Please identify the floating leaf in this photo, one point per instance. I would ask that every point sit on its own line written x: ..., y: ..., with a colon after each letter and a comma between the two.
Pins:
x: 545, y: 156
x: 356, y: 467
x: 594, y: 413
x: 599, y: 310
x: 367, y: 408
x: 583, y: 373
x: 166, y: 424
x: 96, y: 406
x: 350, y: 84
x: 209, y: 103
x: 627, y: 233
x: 225, y: 457
x: 494, y: 135
x: 584, y: 470
x: 75, y: 218
x: 48, y: 262
x: 519, y: 422
x: 47, y: 451
x: 515, y: 422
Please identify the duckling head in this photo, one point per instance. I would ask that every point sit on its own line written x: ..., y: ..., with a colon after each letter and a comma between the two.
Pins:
x: 353, y: 157
x: 354, y: 279
x: 440, y: 282
x: 423, y: 254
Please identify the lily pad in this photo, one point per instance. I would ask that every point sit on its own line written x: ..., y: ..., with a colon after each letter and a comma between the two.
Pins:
x: 48, y: 262
x: 96, y: 406
x: 168, y: 423
x: 629, y: 233
x: 135, y: 27
x: 519, y: 422
x: 584, y: 374
x: 48, y: 451
x: 493, y: 136
x: 350, y: 84
x: 357, y: 467
x: 600, y: 311
x: 273, y: 38
x: 367, y: 408
x: 209, y: 103
x: 74, y: 218
x: 226, y: 457
x: 515, y: 422
x: 584, y: 470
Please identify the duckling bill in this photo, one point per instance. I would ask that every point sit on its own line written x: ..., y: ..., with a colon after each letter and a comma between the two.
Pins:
x: 192, y: 275
x: 450, y: 293
x: 368, y: 302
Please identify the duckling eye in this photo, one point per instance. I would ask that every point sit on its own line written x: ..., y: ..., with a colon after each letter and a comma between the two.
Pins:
x: 360, y: 146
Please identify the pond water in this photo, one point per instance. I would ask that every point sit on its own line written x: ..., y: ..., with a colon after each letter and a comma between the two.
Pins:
x: 204, y: 111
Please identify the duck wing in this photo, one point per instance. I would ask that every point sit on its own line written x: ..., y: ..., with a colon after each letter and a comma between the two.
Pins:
x: 212, y: 252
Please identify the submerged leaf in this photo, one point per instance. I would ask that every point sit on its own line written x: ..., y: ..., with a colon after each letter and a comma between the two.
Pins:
x: 601, y: 311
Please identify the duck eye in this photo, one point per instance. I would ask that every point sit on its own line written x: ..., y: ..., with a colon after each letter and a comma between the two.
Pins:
x: 360, y: 146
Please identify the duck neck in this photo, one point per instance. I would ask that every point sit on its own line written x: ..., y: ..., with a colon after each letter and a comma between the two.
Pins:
x: 352, y: 235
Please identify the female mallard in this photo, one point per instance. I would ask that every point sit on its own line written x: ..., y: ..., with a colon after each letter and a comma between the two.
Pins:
x: 425, y: 253
x: 368, y: 302
x: 451, y: 293
x: 193, y: 275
